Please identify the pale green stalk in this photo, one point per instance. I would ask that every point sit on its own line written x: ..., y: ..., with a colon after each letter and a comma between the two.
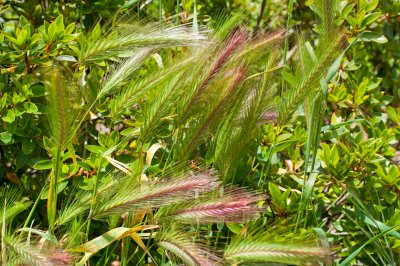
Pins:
x: 52, y: 198
x: 94, y: 197
x: 28, y: 219
x: 286, y: 46
x: 3, y: 236
x: 312, y: 144
x: 177, y: 12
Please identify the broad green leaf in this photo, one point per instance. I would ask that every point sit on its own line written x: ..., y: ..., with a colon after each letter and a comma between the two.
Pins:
x: 59, y: 22
x: 23, y: 21
x: 235, y: 228
x: 96, y: 32
x: 60, y: 187
x: 372, y: 37
x: 347, y: 10
x: 370, y: 18
x: 43, y: 165
x: 6, y: 137
x: 371, y: 5
x: 30, y: 108
x: 9, y: 117
x: 38, y: 90
x: 3, y: 100
x: 27, y: 146
x: 275, y: 192
x: 335, y: 133
x: 52, y: 31
x: 11, y: 39
x: 96, y: 149
x: 22, y: 37
x: 67, y: 58
x: 70, y: 28
x: 393, y: 114
x: 18, y: 98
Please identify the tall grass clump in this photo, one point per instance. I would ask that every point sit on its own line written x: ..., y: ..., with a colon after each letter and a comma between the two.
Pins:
x: 147, y: 125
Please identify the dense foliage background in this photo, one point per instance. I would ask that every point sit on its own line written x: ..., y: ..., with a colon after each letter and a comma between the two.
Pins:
x: 128, y: 127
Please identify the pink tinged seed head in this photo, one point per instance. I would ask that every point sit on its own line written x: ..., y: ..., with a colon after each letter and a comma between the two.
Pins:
x: 269, y: 117
x: 61, y: 258
x: 234, y: 208
x: 237, y: 38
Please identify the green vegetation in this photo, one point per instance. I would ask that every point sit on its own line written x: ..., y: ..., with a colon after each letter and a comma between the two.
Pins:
x: 199, y: 132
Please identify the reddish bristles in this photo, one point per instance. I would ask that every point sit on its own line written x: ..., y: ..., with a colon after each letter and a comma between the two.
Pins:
x: 237, y: 38
x: 190, y: 253
x: 269, y: 40
x: 61, y: 258
x: 201, y: 182
x: 232, y: 208
x: 240, y: 75
x: 269, y: 117
x: 167, y: 192
x: 235, y: 41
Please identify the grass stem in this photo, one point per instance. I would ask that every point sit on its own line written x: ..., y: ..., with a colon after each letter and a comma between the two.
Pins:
x: 286, y: 45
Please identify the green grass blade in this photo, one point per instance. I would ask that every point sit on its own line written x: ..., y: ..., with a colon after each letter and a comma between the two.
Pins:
x: 313, y: 140
x: 3, y: 234
x: 354, y: 254
x: 45, y: 235
x: 52, y: 196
